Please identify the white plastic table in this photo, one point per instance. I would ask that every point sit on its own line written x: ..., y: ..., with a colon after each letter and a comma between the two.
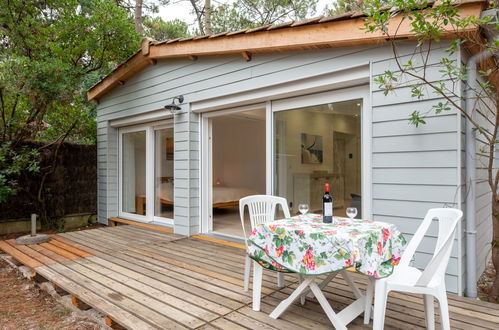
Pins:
x: 306, y: 245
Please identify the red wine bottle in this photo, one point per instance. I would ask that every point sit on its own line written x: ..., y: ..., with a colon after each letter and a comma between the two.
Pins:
x: 327, y: 206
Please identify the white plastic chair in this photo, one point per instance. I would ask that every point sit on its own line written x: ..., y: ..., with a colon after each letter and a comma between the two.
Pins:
x: 430, y: 282
x: 262, y: 209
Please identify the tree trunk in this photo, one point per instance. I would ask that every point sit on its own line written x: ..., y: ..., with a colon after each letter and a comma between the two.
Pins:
x: 494, y: 293
x: 199, y: 16
x: 207, y: 16
x: 138, y: 16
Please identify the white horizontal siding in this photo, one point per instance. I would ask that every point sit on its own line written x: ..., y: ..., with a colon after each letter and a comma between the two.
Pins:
x: 414, y: 168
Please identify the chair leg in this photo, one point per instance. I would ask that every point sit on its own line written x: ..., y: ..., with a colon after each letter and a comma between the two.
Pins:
x: 429, y: 311
x: 380, y: 298
x: 304, y: 296
x: 280, y: 280
x: 257, y: 285
x: 369, y: 300
x: 444, y: 308
x: 247, y: 270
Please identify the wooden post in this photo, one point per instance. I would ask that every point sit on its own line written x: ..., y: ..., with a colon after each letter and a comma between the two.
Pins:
x: 112, y: 324
x: 33, y: 224
x: 80, y: 304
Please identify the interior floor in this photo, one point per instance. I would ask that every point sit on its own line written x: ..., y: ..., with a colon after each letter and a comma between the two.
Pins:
x: 227, y: 221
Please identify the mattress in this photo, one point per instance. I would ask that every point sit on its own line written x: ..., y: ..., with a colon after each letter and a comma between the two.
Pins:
x: 220, y: 194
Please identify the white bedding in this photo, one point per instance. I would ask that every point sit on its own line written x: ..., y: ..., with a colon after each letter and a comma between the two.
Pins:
x: 220, y: 194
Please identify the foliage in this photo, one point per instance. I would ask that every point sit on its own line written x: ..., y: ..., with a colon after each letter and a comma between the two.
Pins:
x: 52, y: 52
x: 345, y: 6
x: 242, y: 14
x: 427, y: 23
x: 158, y: 29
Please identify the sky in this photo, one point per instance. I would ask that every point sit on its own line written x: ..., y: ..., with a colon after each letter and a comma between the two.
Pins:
x: 182, y: 10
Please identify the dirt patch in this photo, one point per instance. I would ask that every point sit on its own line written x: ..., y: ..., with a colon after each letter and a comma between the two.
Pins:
x: 485, y: 282
x: 52, y: 231
x: 24, y: 306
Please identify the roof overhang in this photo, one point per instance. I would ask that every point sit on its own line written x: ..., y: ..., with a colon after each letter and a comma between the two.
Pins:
x: 311, y: 34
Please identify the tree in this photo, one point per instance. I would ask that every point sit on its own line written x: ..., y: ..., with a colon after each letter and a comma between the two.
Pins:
x: 141, y: 10
x: 345, y: 6
x: 481, y: 115
x: 52, y: 52
x: 252, y: 13
x: 158, y: 29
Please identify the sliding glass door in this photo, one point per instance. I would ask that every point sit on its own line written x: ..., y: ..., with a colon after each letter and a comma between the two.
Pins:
x: 146, y: 173
x: 317, y: 139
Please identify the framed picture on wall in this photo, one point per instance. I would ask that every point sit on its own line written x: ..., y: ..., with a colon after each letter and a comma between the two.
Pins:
x: 311, y: 149
x: 169, y: 148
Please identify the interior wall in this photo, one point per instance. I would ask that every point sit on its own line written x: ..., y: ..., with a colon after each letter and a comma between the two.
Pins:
x: 239, y: 152
x: 328, y: 126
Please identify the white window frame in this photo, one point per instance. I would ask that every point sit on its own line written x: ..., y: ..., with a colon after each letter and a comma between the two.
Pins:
x: 341, y: 95
x: 150, y: 130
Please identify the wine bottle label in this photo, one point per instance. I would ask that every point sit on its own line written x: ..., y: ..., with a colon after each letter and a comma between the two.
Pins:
x: 328, y: 209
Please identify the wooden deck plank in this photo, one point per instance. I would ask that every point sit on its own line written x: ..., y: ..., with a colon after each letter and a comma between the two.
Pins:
x: 227, y: 267
x: 70, y: 242
x: 103, y: 305
x: 102, y: 240
x: 117, y: 236
x: 26, y: 249
x: 132, y: 293
x: 213, y: 263
x: 72, y: 249
x: 157, y: 319
x: 19, y: 256
x: 140, y: 224
x: 145, y: 276
x: 219, y: 241
x: 199, y: 279
x: 224, y: 324
x: 146, y: 232
x: 48, y: 253
x: 197, y: 269
x: 154, y: 290
x: 54, y: 248
x: 179, y: 281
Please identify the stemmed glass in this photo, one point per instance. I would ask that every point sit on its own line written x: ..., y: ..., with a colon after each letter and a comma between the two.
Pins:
x: 351, y: 212
x: 303, y: 208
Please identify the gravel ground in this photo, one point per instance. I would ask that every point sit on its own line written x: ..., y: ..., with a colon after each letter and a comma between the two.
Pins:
x: 24, y: 306
x: 485, y: 282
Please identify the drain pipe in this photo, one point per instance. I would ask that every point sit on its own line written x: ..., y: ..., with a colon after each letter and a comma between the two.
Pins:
x: 471, y: 74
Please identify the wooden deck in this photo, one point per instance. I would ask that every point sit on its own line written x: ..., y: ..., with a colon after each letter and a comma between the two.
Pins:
x: 144, y: 279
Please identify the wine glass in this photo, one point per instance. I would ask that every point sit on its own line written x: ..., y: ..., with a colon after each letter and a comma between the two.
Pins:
x: 351, y: 212
x: 303, y: 208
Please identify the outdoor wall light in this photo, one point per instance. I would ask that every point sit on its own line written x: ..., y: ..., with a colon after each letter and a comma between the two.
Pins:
x: 172, y: 107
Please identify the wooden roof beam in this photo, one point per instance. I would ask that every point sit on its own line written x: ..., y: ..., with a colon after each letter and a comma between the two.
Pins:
x: 329, y: 34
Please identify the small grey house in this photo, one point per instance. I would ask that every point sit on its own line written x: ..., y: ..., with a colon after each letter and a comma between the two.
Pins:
x: 283, y: 110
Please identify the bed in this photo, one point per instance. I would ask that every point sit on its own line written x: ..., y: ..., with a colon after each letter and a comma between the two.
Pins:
x: 222, y: 196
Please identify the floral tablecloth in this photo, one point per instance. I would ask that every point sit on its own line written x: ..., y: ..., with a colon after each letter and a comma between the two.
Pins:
x: 306, y: 245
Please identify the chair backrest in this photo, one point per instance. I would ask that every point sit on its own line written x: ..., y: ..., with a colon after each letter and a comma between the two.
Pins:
x: 262, y: 208
x: 447, y: 223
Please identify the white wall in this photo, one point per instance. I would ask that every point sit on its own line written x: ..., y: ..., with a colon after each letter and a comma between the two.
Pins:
x: 239, y: 152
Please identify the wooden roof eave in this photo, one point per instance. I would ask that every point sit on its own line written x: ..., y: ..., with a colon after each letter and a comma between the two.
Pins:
x: 329, y: 34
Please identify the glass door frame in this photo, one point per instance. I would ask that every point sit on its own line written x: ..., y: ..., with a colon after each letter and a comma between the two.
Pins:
x: 341, y: 95
x: 150, y: 130
x: 206, y: 210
